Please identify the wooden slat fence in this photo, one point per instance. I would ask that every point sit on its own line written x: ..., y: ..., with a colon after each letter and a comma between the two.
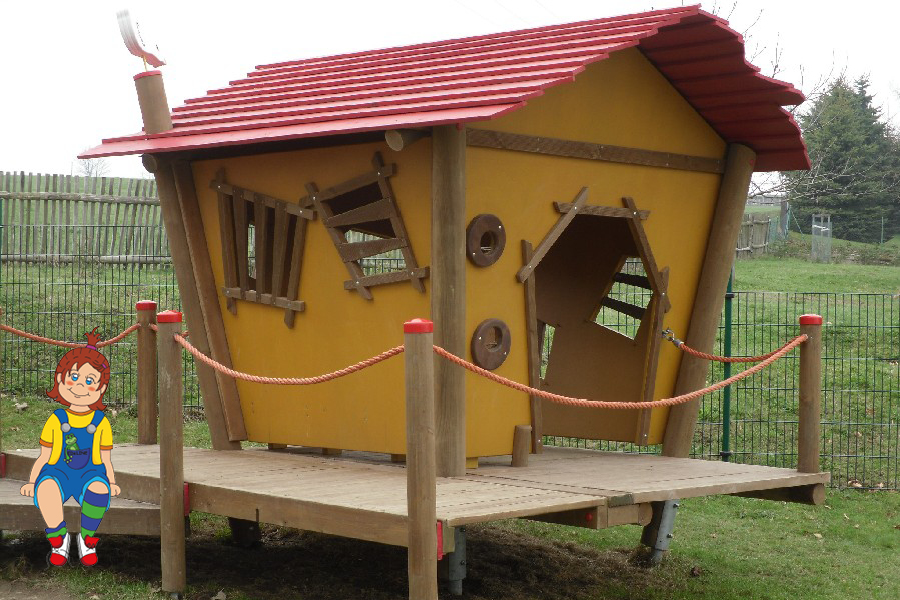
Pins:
x: 754, y: 237
x: 65, y: 219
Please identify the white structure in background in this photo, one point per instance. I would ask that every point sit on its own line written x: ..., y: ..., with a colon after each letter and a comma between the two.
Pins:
x: 821, y: 238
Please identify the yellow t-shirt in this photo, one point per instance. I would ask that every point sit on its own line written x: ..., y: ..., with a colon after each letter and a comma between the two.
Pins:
x: 52, y: 435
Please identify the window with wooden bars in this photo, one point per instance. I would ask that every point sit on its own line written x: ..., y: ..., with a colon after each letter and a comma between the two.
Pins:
x: 365, y: 225
x: 262, y: 247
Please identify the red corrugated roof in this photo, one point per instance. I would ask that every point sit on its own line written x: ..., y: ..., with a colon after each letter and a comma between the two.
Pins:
x: 480, y: 78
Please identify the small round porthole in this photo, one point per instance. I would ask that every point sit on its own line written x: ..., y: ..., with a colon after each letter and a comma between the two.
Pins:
x: 485, y: 240
x: 490, y: 344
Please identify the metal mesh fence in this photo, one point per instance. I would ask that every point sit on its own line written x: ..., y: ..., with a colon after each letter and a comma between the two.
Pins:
x: 65, y: 268
x: 861, y: 339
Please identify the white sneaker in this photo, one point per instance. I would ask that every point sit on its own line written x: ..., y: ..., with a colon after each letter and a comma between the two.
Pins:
x: 87, y: 554
x: 59, y: 556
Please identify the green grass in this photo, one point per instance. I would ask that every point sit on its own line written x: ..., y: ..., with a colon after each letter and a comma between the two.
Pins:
x: 798, y: 245
x: 762, y: 209
x: 780, y: 274
x: 735, y: 547
x: 748, y: 548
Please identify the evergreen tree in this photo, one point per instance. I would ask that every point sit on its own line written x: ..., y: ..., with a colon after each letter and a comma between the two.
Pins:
x: 855, y: 172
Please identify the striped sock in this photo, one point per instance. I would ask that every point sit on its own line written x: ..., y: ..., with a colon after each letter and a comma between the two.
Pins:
x: 92, y: 509
x: 58, y: 531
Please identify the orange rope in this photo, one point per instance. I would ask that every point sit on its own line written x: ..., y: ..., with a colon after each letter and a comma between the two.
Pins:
x: 714, y: 357
x: 724, y: 359
x: 622, y: 405
x: 288, y: 380
x: 121, y: 336
x: 38, y: 338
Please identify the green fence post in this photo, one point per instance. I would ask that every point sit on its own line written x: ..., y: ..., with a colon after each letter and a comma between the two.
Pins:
x: 725, y: 453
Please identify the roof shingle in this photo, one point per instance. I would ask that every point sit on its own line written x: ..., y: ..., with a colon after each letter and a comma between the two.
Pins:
x: 480, y: 78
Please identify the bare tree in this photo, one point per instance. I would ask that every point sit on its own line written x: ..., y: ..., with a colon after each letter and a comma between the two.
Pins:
x: 93, y: 167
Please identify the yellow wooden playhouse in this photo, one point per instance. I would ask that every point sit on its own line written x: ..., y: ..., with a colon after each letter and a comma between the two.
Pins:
x: 553, y: 199
x: 594, y: 143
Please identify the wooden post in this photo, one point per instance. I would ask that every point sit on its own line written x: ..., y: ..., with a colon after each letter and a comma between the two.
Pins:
x: 171, y: 454
x: 710, y: 297
x: 421, y: 486
x: 448, y: 292
x: 521, y: 445
x: 810, y: 417
x: 146, y: 372
x: 190, y: 298
x: 208, y: 296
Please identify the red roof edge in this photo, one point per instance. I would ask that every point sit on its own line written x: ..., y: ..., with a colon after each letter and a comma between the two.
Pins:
x: 466, y: 80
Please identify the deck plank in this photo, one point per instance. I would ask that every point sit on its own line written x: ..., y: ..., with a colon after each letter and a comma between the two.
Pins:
x: 19, y: 513
x: 363, y: 495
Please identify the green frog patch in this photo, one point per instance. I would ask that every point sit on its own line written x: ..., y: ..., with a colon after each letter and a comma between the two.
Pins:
x: 70, y: 448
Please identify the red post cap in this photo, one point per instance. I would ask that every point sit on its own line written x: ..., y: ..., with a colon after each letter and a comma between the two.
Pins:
x: 418, y: 326
x: 145, y: 305
x: 168, y: 316
x: 810, y: 320
x: 147, y: 74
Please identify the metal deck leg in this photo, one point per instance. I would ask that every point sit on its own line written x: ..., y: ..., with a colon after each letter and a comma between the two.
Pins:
x: 453, y: 566
x: 658, y: 534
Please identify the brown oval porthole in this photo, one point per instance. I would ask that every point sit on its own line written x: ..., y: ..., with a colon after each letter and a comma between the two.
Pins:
x: 490, y: 344
x: 485, y: 240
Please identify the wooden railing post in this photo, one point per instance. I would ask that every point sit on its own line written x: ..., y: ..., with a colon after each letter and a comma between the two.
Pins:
x: 146, y: 372
x: 171, y: 454
x: 810, y: 413
x: 421, y: 490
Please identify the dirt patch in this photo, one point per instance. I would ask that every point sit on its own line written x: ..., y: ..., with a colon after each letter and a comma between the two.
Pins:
x: 295, y: 564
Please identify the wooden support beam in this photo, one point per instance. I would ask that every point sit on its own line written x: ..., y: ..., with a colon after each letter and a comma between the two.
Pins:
x: 376, y: 211
x: 226, y: 233
x: 254, y: 296
x: 646, y: 252
x: 600, y: 211
x: 448, y: 293
x: 190, y: 299
x: 208, y: 298
x: 552, y: 235
x: 421, y: 481
x: 293, y: 284
x: 813, y: 494
x: 398, y: 139
x: 604, y: 152
x: 357, y: 250
x: 382, y: 278
x: 710, y: 296
x: 534, y: 352
x: 257, y: 198
x: 146, y: 372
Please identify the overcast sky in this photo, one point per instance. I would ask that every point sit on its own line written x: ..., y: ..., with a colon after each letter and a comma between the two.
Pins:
x: 66, y: 77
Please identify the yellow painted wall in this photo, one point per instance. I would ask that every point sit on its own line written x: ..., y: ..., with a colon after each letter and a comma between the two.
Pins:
x: 620, y: 101
x: 363, y: 411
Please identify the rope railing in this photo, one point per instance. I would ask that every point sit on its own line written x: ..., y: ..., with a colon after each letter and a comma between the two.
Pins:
x: 46, y: 340
x: 363, y: 364
x: 669, y: 335
x: 584, y: 402
x: 557, y: 398
x: 763, y: 361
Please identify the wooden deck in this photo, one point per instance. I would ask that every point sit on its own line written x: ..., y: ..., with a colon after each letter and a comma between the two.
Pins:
x: 363, y: 496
